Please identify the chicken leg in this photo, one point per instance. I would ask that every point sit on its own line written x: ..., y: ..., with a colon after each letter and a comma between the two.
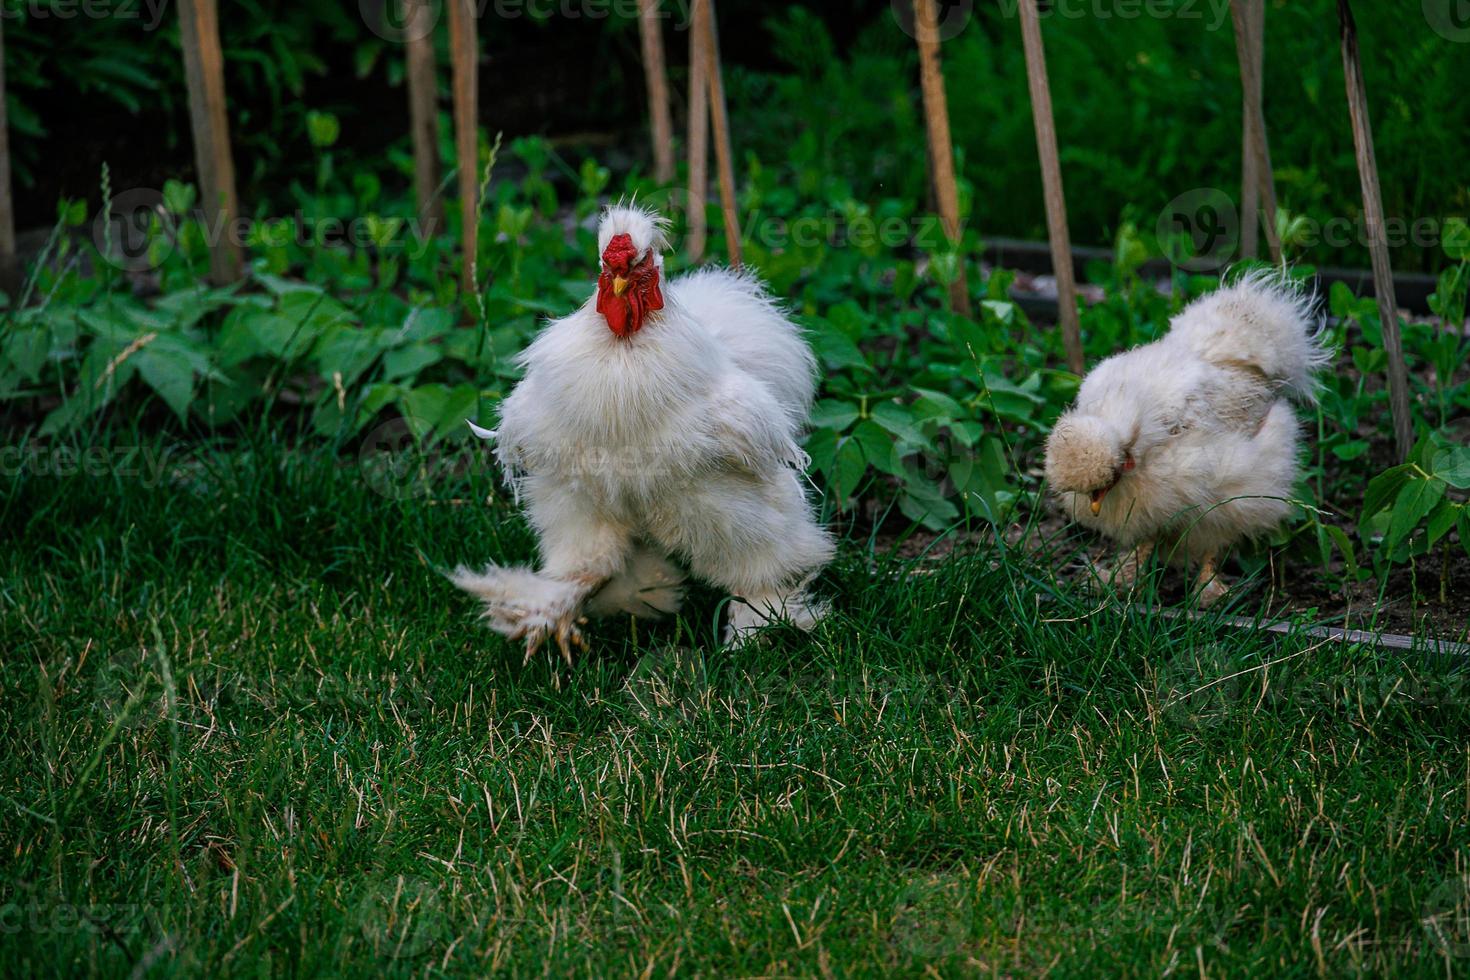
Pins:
x: 1125, y: 572
x: 1211, y: 588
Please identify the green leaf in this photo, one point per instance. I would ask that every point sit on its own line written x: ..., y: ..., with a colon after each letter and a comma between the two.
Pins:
x: 170, y: 375
x: 278, y: 336
x: 1441, y: 519
x: 1350, y: 450
x: 1002, y: 310
x: 423, y: 407
x: 836, y: 349
x: 462, y: 403
x: 849, y: 469
x: 900, y: 421
x: 322, y: 128
x: 407, y: 362
x: 1345, y: 545
x: 27, y: 349
x: 821, y: 446
x: 1452, y: 465
x: 1415, y: 501
x: 1382, y: 489
x: 878, y: 447
x: 936, y: 405
x: 922, y: 502
x: 829, y: 413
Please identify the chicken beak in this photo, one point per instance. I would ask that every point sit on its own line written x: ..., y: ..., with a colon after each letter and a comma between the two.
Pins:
x: 1097, y: 499
x: 620, y: 285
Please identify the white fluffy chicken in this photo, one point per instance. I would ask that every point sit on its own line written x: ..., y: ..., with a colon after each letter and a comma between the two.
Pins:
x: 659, y: 422
x: 1189, y: 444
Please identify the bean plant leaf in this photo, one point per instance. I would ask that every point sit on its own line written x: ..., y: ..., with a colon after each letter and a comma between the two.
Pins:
x: 1441, y: 519
x: 1452, y: 465
x: 900, y: 421
x: 1382, y: 489
x: 850, y: 468
x: 1411, y: 506
x: 170, y: 375
x: 829, y: 413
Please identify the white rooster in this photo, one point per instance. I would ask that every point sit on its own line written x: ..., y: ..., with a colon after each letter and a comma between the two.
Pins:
x: 1190, y: 443
x: 658, y: 422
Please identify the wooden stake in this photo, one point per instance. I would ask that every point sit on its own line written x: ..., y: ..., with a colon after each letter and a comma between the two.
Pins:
x: 661, y: 127
x: 1357, y: 97
x: 941, y: 150
x: 1250, y: 178
x: 720, y: 120
x: 204, y: 72
x: 699, y: 70
x: 1249, y: 50
x: 423, y: 111
x: 1051, y: 180
x: 464, y: 53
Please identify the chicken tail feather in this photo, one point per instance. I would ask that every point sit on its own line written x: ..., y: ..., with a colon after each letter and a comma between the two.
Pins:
x: 1263, y: 321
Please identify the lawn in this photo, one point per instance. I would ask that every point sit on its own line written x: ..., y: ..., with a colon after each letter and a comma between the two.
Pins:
x: 248, y: 728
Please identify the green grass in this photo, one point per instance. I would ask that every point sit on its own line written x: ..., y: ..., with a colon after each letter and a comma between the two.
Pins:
x: 245, y: 727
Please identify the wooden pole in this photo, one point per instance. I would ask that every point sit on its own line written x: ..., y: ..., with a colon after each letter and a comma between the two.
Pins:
x: 1357, y: 97
x: 661, y: 127
x: 941, y: 150
x: 1249, y: 50
x: 720, y: 121
x: 423, y: 111
x: 1250, y: 178
x: 464, y: 52
x: 698, y: 129
x: 1051, y: 180
x: 204, y: 72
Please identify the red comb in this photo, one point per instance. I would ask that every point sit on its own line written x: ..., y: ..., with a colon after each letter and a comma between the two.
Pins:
x: 619, y: 253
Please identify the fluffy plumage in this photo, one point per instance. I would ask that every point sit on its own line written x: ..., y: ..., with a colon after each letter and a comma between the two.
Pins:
x: 1190, y: 442
x: 679, y: 438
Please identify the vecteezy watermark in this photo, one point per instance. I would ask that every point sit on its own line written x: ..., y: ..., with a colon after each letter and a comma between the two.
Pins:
x: 39, y: 918
x: 138, y: 231
x: 402, y: 916
x: 932, y: 916
x: 854, y: 228
x: 1214, y: 13
x: 1199, y: 230
x: 149, y: 12
x: 399, y: 463
x: 137, y: 690
x: 401, y: 21
x: 671, y: 686
x: 1450, y: 19
x: 1446, y: 917
x: 1204, y: 687
x: 951, y: 17
x: 146, y: 464
x: 1200, y: 688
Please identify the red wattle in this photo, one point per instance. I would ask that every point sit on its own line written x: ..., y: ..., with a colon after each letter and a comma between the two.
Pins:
x: 625, y: 313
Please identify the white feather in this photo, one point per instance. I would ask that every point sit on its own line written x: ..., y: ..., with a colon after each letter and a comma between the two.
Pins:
x: 1202, y: 413
x: 683, y: 437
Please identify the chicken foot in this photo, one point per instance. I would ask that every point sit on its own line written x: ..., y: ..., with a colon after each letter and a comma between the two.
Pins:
x: 1125, y: 572
x: 564, y: 625
x: 1211, y: 588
